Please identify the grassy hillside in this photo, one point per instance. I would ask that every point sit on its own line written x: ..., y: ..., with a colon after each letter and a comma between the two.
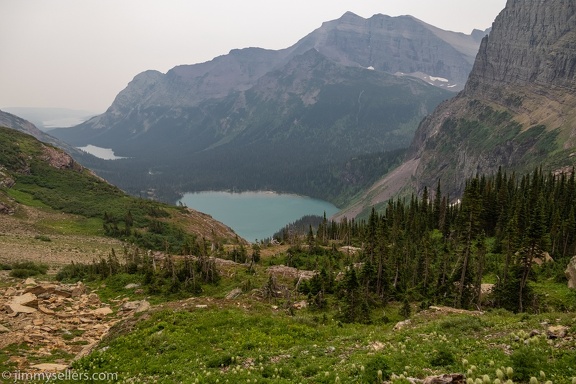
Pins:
x: 224, y: 343
x: 39, y: 181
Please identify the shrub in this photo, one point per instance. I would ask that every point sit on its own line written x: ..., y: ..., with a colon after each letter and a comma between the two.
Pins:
x: 377, y: 363
x: 21, y: 273
x: 27, y: 269
x: 406, y: 309
x: 443, y: 357
x: 526, y: 362
x: 76, y: 272
x: 463, y: 324
x: 219, y: 361
x: 310, y: 370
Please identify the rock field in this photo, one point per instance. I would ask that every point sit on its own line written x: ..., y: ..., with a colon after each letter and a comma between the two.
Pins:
x: 53, y: 324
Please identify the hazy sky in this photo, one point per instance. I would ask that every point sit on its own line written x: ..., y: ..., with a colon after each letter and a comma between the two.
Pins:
x: 80, y: 53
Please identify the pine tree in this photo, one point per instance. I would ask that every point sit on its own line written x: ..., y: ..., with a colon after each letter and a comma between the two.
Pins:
x: 481, y: 257
x: 352, y: 297
x: 535, y: 242
x: 471, y: 209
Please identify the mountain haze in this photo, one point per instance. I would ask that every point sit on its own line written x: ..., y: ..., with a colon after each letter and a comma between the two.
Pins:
x: 390, y: 44
x: 263, y: 119
x: 517, y: 111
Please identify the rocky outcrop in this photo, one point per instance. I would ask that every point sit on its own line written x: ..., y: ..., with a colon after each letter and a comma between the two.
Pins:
x: 570, y: 273
x: 557, y: 331
x: 59, y: 159
x: 6, y: 209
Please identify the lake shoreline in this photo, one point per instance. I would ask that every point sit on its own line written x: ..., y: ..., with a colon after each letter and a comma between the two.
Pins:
x: 256, y: 215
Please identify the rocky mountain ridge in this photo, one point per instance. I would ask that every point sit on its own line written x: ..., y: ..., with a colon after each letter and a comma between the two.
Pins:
x: 293, y: 131
x: 517, y: 110
x: 397, y: 45
x: 17, y: 123
x: 12, y: 121
x: 390, y: 44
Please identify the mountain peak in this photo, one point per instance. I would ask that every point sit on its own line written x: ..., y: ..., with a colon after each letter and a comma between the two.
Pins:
x: 339, y: 79
x: 348, y: 15
x: 401, y: 44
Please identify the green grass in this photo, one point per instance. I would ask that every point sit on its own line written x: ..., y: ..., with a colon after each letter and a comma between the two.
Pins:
x: 12, y: 350
x: 25, y: 198
x: 79, y: 225
x: 75, y: 226
x: 231, y: 344
x: 555, y: 296
x: 73, y: 334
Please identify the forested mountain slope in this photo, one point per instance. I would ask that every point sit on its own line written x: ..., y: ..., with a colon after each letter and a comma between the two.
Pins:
x: 262, y: 119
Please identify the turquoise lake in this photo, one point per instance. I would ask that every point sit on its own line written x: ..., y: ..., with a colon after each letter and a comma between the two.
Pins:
x: 256, y: 215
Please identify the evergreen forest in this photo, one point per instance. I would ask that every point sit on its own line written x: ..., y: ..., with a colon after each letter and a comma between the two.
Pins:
x: 508, y: 231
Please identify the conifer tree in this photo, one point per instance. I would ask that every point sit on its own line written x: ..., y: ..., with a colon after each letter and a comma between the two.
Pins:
x: 470, y: 215
x: 352, y: 297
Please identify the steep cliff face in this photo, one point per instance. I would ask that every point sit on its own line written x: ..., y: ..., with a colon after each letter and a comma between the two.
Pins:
x: 517, y: 110
x: 533, y: 43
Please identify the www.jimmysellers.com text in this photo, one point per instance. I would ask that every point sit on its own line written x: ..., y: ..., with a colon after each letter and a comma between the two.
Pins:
x: 16, y: 376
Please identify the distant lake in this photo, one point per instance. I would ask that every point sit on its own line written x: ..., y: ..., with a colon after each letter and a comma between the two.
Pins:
x: 102, y: 153
x: 64, y: 122
x: 256, y: 215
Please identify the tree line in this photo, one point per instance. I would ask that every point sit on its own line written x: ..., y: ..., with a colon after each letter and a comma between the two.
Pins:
x: 439, y: 250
